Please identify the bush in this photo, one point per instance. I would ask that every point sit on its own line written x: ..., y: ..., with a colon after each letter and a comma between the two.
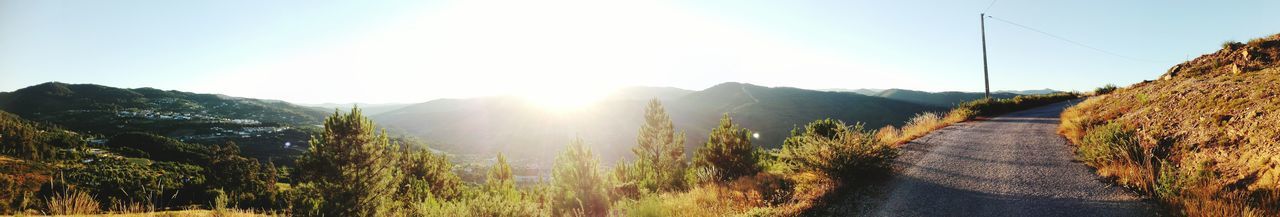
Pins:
x: 728, y: 153
x: 1105, y: 89
x: 993, y: 107
x: 842, y: 151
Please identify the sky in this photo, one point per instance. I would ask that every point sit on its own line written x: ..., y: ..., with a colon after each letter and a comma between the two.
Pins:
x: 309, y: 51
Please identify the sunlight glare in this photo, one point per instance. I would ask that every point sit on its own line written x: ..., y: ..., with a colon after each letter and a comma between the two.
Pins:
x: 564, y: 98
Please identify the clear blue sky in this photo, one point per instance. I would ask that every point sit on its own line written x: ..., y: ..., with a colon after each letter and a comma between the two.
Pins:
x: 413, y: 51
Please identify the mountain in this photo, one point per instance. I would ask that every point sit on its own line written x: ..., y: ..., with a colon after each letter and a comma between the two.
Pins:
x: 646, y: 93
x: 863, y: 91
x: 260, y: 127
x: 366, y: 108
x: 943, y: 99
x: 1211, y: 123
x: 1029, y: 92
x: 517, y: 127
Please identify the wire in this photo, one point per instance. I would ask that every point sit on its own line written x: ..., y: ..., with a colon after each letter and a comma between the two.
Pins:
x: 1071, y: 41
x: 993, y: 3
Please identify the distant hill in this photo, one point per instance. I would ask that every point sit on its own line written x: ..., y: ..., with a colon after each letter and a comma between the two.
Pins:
x: 517, y: 127
x: 646, y: 93
x: 1029, y: 92
x: 863, y: 91
x: 943, y: 99
x: 261, y: 127
x: 366, y: 108
x: 80, y: 105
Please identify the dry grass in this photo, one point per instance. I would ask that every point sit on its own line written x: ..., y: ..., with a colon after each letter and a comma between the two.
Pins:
x: 1209, y: 138
x: 71, y: 202
x: 185, y: 213
x: 759, y: 195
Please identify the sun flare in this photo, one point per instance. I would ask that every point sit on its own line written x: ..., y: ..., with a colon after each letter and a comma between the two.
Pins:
x: 563, y: 99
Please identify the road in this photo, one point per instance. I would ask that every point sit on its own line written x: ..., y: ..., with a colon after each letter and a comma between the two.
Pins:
x: 1012, y: 165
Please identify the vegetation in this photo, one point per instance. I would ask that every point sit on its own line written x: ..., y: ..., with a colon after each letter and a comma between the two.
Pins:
x: 659, y: 164
x: 830, y: 146
x: 578, y: 186
x: 33, y: 141
x: 727, y: 155
x: 1203, y: 139
x: 924, y: 123
x: 940, y: 99
x: 770, y: 111
x: 1105, y: 89
x: 350, y: 170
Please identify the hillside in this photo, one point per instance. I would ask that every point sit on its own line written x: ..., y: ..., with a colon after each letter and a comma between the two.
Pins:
x: 367, y: 108
x: 21, y: 137
x: 517, y: 127
x: 1203, y: 137
x: 97, y: 109
x: 261, y: 127
x: 942, y: 99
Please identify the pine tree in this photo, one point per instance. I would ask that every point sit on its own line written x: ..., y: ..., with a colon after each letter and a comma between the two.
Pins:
x: 577, y: 184
x: 659, y: 152
x: 428, y: 174
x: 352, y: 168
x: 728, y: 153
x: 500, y: 178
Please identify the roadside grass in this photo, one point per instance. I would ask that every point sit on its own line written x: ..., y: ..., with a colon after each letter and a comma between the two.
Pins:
x: 1205, y: 145
x: 181, y: 213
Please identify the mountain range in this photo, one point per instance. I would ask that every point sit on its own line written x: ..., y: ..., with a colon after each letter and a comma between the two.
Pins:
x: 515, y: 126
x: 481, y: 125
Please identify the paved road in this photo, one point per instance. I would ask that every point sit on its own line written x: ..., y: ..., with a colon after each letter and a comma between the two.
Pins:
x: 1013, y: 165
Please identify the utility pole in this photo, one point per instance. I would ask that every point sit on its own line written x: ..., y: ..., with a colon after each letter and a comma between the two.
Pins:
x: 986, y: 81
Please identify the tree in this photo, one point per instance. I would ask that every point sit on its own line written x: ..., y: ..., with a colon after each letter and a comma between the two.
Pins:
x: 243, y: 179
x: 351, y: 168
x: 500, y: 177
x: 659, y: 151
x: 728, y: 153
x: 577, y: 184
x: 428, y: 174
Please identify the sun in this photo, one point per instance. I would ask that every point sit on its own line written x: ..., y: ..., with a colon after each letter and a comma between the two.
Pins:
x: 564, y: 98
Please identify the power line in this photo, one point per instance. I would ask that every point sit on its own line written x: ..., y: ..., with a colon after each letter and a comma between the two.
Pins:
x: 993, y: 3
x: 1069, y: 40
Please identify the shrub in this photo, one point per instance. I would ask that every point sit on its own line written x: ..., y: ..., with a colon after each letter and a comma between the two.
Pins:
x: 993, y: 107
x: 577, y: 184
x: 728, y: 153
x: 843, y: 151
x: 1105, y: 89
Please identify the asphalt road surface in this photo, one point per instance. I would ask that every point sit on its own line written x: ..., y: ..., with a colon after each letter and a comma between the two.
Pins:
x: 1012, y: 165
